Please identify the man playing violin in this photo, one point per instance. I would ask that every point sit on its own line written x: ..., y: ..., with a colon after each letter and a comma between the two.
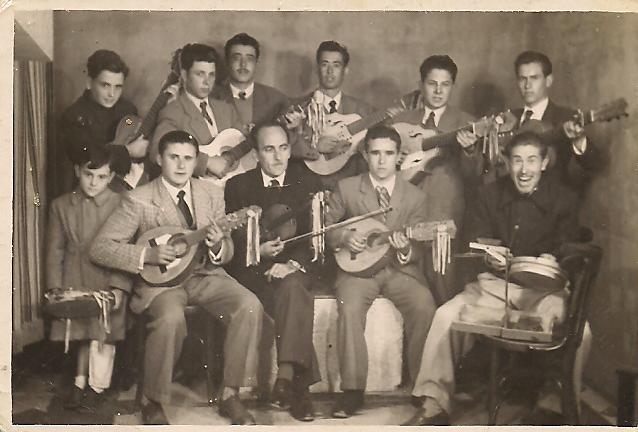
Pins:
x: 529, y: 213
x: 284, y: 279
x: 401, y: 280
x: 175, y: 199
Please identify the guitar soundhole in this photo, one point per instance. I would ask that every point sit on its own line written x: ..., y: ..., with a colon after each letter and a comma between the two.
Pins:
x: 235, y: 163
x: 180, y: 245
x: 371, y: 241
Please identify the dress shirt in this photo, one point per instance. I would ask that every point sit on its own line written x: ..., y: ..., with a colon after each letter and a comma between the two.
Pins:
x: 248, y: 90
x: 267, y: 179
x: 438, y: 112
x: 324, y: 99
x: 197, y: 101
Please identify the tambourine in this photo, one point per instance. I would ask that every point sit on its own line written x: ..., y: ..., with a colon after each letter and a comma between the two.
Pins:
x: 72, y: 303
x: 540, y: 273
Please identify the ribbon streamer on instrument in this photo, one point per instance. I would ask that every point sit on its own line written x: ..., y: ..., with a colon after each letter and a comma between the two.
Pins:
x: 490, y: 141
x: 441, y: 249
x: 316, y: 120
x: 105, y: 301
x: 252, y: 238
x: 318, y: 212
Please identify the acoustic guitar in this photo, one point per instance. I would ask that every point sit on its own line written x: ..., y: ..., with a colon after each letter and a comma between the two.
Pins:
x: 187, y: 244
x: 378, y: 252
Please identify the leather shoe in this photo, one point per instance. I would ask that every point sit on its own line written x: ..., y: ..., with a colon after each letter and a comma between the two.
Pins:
x: 233, y: 409
x: 301, y: 406
x: 281, y: 396
x: 420, y: 419
x: 75, y: 398
x: 153, y: 414
x: 417, y: 401
x: 348, y: 404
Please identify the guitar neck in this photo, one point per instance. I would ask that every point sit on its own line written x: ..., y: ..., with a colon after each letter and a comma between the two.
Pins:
x: 444, y: 139
x: 367, y: 122
x: 240, y: 150
x: 148, y: 124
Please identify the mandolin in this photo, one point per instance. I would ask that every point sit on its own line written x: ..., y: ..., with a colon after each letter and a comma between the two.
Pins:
x: 187, y: 244
x: 377, y: 253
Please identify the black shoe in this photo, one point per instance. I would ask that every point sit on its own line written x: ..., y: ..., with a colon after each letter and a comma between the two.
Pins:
x: 92, y: 400
x: 281, y: 396
x: 421, y: 419
x: 74, y: 399
x: 348, y: 404
x: 153, y: 414
x: 233, y: 409
x: 417, y: 401
x: 301, y: 406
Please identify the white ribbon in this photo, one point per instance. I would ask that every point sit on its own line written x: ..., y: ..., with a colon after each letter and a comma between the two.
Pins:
x: 441, y: 249
x: 252, y: 239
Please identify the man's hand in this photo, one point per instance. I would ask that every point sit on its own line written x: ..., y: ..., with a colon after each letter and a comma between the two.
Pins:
x: 400, y: 242
x: 466, y: 138
x: 294, y: 119
x: 217, y: 166
x: 214, y: 235
x: 279, y: 271
x: 160, y: 255
x: 573, y: 130
x: 271, y: 248
x: 495, y: 264
x: 119, y: 296
x: 137, y: 148
x: 354, y: 241
x: 173, y: 91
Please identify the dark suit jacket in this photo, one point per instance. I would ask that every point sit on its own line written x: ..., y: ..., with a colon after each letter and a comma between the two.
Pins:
x: 355, y: 196
x: 268, y: 102
x: 147, y: 207
x: 182, y: 114
x: 348, y: 105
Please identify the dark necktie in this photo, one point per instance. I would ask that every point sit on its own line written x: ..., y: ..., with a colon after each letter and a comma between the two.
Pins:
x: 384, y: 198
x: 527, y: 116
x: 181, y: 203
x: 333, y: 106
x: 205, y: 113
x: 274, y: 183
x: 242, y: 95
x: 429, y: 123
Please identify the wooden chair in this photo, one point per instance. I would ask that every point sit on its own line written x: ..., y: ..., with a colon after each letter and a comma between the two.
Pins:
x: 581, y: 261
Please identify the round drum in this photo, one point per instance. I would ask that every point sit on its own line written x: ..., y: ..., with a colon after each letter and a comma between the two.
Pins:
x: 540, y: 273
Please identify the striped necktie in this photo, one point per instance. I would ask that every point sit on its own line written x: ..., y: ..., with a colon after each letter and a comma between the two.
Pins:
x: 384, y: 198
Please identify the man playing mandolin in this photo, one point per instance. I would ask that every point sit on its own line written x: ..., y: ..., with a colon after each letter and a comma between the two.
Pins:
x: 399, y: 278
x: 176, y: 200
x: 532, y: 215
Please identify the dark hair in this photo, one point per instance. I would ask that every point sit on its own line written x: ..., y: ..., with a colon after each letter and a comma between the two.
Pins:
x: 254, y: 133
x: 444, y: 62
x: 177, y: 137
x: 382, y: 131
x: 195, y: 52
x: 95, y: 157
x: 527, y: 57
x: 241, y: 39
x: 333, y: 47
x: 526, y: 138
x: 108, y: 60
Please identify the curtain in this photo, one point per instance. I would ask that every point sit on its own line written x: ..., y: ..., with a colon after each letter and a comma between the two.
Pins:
x: 32, y: 102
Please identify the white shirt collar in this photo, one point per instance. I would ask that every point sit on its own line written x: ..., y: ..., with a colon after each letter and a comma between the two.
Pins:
x: 236, y: 90
x: 267, y: 179
x: 197, y: 101
x: 537, y: 110
x: 387, y: 183
x: 172, y: 191
x: 438, y: 112
x: 322, y: 98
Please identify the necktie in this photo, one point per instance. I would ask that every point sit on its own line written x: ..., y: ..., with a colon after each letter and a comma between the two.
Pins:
x: 429, y: 123
x: 181, y: 203
x: 242, y: 95
x: 205, y: 113
x: 333, y: 106
x: 527, y: 116
x: 384, y: 198
x: 274, y: 183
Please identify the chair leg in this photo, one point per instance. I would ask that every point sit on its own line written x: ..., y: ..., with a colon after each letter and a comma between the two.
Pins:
x: 140, y: 339
x: 570, y: 401
x: 209, y: 359
x: 492, y: 402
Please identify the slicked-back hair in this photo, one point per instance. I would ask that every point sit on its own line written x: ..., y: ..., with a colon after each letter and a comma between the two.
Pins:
x: 108, y: 60
x: 527, y: 57
x: 95, y: 157
x: 381, y: 131
x: 526, y: 138
x: 333, y: 46
x: 444, y: 62
x: 195, y: 52
x: 177, y: 137
x: 241, y: 39
x: 254, y: 133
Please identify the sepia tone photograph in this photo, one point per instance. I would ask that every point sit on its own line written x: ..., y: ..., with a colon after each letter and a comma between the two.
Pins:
x: 323, y: 217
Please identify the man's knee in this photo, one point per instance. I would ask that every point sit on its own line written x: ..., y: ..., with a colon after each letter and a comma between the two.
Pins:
x: 172, y: 318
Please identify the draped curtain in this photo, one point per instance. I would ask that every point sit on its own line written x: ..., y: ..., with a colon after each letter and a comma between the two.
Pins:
x: 32, y: 101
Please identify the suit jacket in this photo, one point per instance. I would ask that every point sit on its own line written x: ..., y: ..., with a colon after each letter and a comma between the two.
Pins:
x: 348, y: 105
x: 182, y: 114
x: 147, y: 207
x: 268, y: 102
x: 356, y: 196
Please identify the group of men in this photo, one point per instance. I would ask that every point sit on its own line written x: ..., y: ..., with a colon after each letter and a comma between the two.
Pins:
x: 278, y: 292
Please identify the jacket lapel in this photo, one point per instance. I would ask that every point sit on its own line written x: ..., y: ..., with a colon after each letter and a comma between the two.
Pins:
x: 221, y: 119
x: 369, y: 200
x: 260, y: 102
x: 396, y: 202
x: 201, y: 202
x: 448, y: 120
x: 196, y: 122
x: 167, y: 210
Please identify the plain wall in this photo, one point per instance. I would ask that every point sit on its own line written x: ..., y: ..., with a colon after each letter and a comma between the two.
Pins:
x: 594, y: 59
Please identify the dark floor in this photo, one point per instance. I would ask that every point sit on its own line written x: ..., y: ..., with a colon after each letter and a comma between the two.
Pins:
x: 39, y: 383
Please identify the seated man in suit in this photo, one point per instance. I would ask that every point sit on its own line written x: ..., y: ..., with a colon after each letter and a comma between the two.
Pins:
x: 195, y: 111
x: 532, y: 215
x: 567, y: 141
x: 175, y: 199
x: 284, y: 279
x: 440, y: 179
x: 256, y: 103
x: 401, y: 280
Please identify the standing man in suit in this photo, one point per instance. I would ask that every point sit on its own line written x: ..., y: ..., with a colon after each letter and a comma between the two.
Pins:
x: 284, y: 279
x: 256, y: 103
x: 174, y: 199
x: 400, y: 280
x: 195, y: 111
